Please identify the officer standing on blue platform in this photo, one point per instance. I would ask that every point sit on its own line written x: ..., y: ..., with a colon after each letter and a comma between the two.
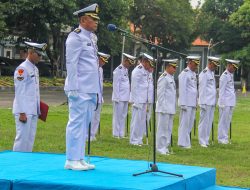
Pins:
x: 207, y: 100
x: 166, y: 106
x: 120, y: 95
x: 95, y: 123
x: 227, y: 100
x: 26, y: 106
x: 187, y: 100
x: 139, y: 97
x: 82, y: 85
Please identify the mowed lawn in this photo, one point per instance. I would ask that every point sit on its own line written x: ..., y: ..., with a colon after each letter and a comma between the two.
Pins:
x: 232, y: 162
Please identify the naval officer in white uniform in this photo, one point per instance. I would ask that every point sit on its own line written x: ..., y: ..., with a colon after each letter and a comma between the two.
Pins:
x: 95, y: 123
x: 166, y: 106
x: 207, y: 100
x: 82, y: 85
x: 227, y: 100
x: 188, y: 95
x: 26, y: 106
x: 139, y: 97
x: 120, y: 95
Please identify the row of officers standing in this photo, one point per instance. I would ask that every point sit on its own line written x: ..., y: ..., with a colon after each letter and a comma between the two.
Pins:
x: 84, y: 89
x: 140, y: 95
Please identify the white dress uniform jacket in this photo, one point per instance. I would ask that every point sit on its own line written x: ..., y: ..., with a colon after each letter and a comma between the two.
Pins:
x: 226, y: 102
x: 140, y: 85
x: 188, y: 99
x: 187, y: 88
x: 226, y: 90
x: 82, y: 62
x: 121, y: 85
x: 207, y: 88
x: 165, y: 108
x: 207, y: 102
x: 82, y: 65
x: 27, y: 100
x: 166, y: 94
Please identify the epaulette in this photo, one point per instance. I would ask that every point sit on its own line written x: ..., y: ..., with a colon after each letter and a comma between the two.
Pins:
x: 139, y: 66
x: 225, y: 73
x: 77, y: 30
x: 120, y: 67
x: 185, y: 70
x: 205, y: 70
x: 163, y: 74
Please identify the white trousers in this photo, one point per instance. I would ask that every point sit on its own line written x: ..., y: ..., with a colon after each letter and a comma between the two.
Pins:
x: 185, y: 127
x: 164, y: 131
x: 120, y: 111
x: 138, y: 123
x: 25, y: 133
x: 149, y: 109
x: 80, y: 115
x: 224, y: 123
x: 95, y: 121
x: 205, y: 124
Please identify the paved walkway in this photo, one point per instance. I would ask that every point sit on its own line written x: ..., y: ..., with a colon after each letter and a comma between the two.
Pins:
x: 51, y: 97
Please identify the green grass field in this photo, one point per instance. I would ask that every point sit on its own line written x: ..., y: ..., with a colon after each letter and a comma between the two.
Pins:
x: 232, y: 162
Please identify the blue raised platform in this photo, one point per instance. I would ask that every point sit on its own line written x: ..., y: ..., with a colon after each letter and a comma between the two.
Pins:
x: 42, y: 171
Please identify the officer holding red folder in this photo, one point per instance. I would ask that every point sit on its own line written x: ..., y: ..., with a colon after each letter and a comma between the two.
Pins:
x: 26, y: 106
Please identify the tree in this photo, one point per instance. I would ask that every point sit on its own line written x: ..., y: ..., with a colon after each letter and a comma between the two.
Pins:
x: 2, y: 22
x: 170, y: 21
x: 41, y: 21
x: 241, y: 20
x: 51, y: 20
x: 213, y: 23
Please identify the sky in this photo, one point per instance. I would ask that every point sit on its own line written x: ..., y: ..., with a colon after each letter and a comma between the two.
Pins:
x: 194, y: 3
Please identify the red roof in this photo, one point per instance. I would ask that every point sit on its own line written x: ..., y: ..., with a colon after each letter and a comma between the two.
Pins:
x: 199, y: 42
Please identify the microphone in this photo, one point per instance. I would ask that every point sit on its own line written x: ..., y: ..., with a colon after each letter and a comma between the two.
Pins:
x: 112, y: 28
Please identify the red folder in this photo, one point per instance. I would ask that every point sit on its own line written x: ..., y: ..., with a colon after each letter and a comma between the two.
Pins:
x: 44, y: 108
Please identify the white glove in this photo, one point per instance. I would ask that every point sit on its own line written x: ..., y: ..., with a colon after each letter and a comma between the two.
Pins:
x: 222, y: 106
x: 72, y: 94
x: 139, y: 106
x: 184, y: 108
x: 116, y: 100
x: 203, y: 106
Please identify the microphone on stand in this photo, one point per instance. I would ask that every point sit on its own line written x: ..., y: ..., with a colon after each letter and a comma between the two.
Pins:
x: 112, y: 28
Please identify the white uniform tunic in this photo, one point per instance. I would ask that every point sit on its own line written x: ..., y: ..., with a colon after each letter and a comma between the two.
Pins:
x: 207, y: 102
x: 165, y: 108
x: 226, y: 102
x: 187, y: 100
x: 139, y: 97
x: 27, y: 100
x: 82, y: 76
x: 97, y: 113
x: 120, y: 98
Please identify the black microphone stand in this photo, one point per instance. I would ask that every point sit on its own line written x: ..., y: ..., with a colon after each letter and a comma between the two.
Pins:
x: 153, y: 166
x: 155, y: 50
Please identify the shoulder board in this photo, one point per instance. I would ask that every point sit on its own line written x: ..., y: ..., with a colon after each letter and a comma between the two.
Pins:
x: 205, y: 70
x: 139, y: 66
x: 77, y: 30
x: 225, y: 73
x: 163, y: 74
x: 185, y: 70
x: 120, y: 67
